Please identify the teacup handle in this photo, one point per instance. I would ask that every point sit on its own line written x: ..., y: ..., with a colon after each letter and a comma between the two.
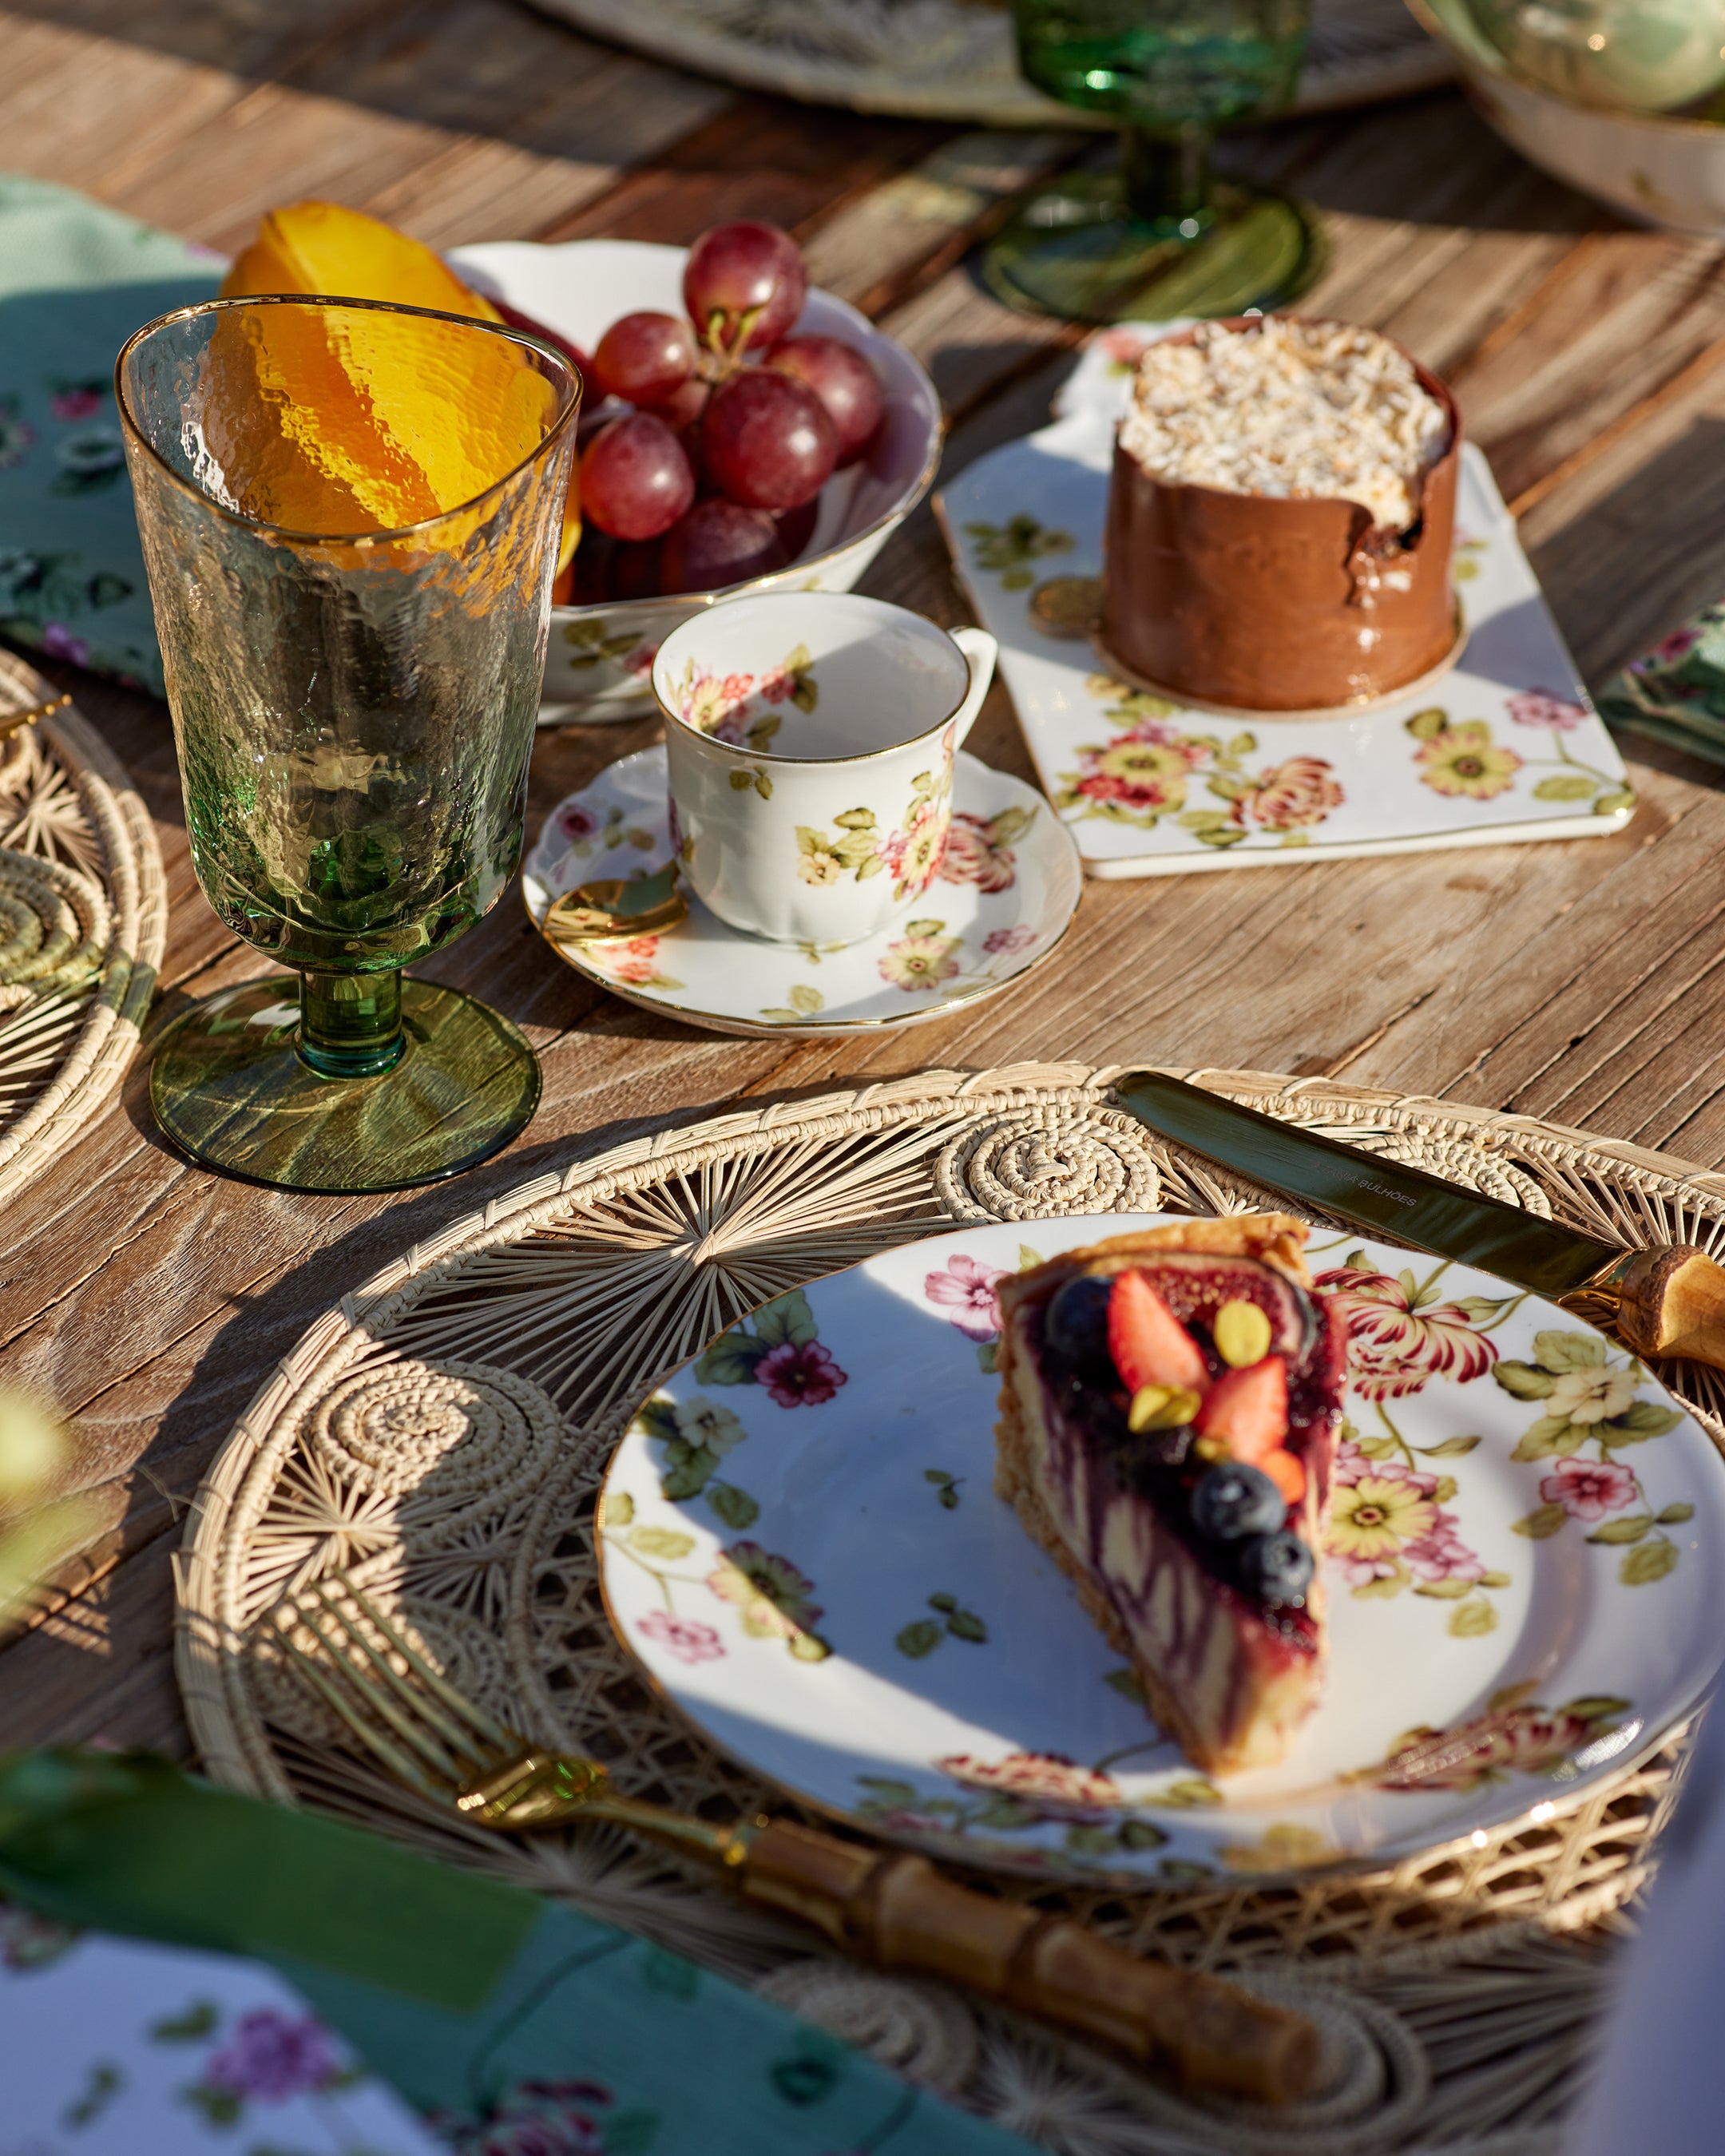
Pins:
x: 980, y: 650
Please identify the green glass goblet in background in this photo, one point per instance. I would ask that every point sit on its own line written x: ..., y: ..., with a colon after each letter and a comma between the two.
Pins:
x: 351, y: 516
x: 1159, y: 237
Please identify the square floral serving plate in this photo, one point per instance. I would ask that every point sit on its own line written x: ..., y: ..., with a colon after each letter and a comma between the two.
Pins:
x: 799, y: 1539
x: 1507, y: 746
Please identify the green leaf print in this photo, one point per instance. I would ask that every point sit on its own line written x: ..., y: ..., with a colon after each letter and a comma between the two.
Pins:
x: 918, y: 1640
x: 1630, y: 1529
x: 1521, y: 1381
x: 1544, y: 1519
x: 787, y: 1318
x: 1646, y: 1562
x: 1549, y: 1436
x: 734, y: 1506
x: 730, y: 1360
x: 1566, y: 786
x: 1561, y: 1352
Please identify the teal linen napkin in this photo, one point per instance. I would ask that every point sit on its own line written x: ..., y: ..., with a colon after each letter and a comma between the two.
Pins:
x: 76, y: 279
x: 518, y: 2027
x: 1676, y: 694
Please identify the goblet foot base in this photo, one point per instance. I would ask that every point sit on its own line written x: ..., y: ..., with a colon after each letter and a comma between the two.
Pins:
x: 1074, y: 250
x: 228, y: 1086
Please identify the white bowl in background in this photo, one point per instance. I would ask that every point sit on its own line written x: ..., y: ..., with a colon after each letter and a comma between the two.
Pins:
x: 1651, y: 167
x: 599, y: 657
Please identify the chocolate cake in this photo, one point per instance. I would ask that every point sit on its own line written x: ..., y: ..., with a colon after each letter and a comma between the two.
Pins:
x: 1170, y: 1405
x: 1280, y: 518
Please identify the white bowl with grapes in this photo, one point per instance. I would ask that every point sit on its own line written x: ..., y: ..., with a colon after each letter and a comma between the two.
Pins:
x: 740, y: 433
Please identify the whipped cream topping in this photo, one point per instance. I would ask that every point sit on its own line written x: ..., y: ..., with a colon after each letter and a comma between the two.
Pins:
x: 1291, y: 407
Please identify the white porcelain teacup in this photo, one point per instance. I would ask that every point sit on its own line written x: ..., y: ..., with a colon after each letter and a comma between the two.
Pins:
x: 809, y: 737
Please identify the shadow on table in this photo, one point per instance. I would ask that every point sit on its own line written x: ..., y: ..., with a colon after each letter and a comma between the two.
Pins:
x: 1634, y: 565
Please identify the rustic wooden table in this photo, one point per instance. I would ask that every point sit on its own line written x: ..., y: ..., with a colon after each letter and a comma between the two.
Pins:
x: 1578, y: 981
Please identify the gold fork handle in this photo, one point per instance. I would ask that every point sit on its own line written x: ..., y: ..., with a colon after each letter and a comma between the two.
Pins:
x: 901, y: 1912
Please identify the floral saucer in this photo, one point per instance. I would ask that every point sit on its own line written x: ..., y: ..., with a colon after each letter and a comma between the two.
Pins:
x: 800, y: 1539
x: 1506, y: 746
x: 1007, y: 887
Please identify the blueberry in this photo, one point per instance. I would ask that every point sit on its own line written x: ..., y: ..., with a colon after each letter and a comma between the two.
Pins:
x: 1275, y: 1568
x: 1235, y: 1499
x: 1076, y: 1325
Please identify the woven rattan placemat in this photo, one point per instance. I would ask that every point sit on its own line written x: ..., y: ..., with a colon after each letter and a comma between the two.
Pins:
x: 441, y: 1433
x: 82, y: 921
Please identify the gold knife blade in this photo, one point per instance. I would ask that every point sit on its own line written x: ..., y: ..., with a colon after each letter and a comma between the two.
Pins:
x: 1668, y: 1301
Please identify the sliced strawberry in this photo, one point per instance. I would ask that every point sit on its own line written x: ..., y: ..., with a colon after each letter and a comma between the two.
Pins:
x: 1288, y: 1471
x: 1149, y: 1344
x: 1247, y: 1409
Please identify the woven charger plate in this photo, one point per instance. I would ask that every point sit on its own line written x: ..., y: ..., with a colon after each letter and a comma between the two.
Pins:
x: 955, y: 59
x: 441, y: 1434
x: 82, y: 921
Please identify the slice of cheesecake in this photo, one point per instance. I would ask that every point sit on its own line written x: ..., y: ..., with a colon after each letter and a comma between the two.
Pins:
x: 1170, y: 1406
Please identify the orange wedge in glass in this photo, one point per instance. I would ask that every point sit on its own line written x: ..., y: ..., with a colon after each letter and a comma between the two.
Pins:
x: 345, y: 424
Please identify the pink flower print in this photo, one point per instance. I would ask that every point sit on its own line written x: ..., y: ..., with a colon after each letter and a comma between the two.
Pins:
x: 577, y: 823
x: 1440, y: 1554
x: 79, y: 403
x: 1046, y: 1781
x: 799, y: 1374
x: 1298, y: 793
x: 682, y: 1637
x: 1392, y: 1349
x: 636, y: 961
x: 639, y: 661
x: 1589, y: 1489
x: 1008, y: 939
x: 59, y: 642
x: 965, y: 1288
x: 972, y: 856
x: 272, y: 2056
x: 1545, y: 707
x: 1678, y: 645
x: 1529, y: 1740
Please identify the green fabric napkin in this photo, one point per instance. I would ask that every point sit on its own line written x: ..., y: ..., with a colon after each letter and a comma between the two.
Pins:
x: 518, y: 2027
x: 1676, y: 694
x: 75, y: 280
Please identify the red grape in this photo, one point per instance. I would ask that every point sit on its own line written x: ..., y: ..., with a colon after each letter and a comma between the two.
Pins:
x: 842, y: 379
x: 744, y: 286
x: 766, y: 440
x: 646, y: 357
x: 684, y: 406
x: 719, y: 543
x: 636, y: 480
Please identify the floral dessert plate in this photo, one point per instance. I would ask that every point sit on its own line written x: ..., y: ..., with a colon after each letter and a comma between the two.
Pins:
x: 1006, y: 885
x: 799, y: 1539
x: 1504, y: 746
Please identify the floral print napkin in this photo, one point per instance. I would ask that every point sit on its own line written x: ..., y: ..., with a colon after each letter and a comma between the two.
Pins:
x: 1676, y: 693
x: 76, y: 279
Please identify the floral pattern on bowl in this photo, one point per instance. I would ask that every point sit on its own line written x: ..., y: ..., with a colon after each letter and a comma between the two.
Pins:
x: 887, y: 1642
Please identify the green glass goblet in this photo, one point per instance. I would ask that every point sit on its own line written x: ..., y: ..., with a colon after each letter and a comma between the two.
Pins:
x: 350, y: 516
x: 1159, y: 237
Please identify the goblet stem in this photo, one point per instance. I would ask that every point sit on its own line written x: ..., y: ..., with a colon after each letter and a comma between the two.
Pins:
x: 349, y: 1024
x: 1165, y: 173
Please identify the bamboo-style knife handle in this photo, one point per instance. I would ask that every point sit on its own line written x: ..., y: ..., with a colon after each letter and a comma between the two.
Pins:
x: 900, y: 1912
x: 1671, y: 1302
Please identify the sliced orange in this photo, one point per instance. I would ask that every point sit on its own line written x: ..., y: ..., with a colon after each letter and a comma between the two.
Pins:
x: 348, y: 423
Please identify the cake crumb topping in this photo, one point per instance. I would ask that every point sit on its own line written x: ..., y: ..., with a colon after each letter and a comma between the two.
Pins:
x: 1304, y: 409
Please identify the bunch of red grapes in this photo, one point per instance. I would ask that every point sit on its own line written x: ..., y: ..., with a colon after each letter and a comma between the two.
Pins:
x: 703, y: 463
